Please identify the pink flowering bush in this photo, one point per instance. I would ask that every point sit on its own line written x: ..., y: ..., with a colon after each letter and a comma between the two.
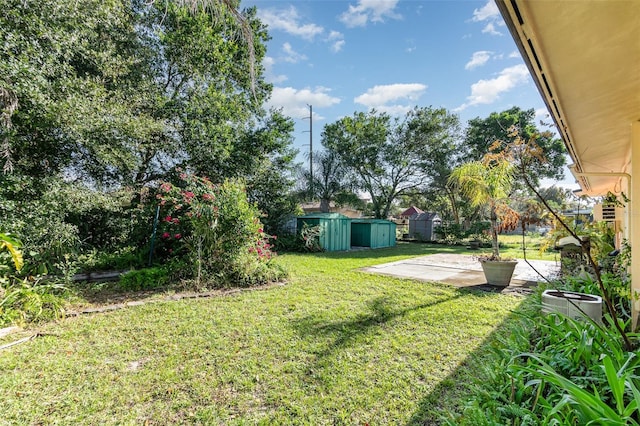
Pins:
x: 216, y: 230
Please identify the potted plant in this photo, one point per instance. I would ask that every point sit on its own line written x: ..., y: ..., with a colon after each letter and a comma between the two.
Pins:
x: 487, y: 183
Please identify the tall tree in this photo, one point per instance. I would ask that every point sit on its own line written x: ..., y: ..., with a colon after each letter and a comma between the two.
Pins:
x: 121, y: 92
x: 265, y: 159
x: 332, y: 180
x: 444, y: 154
x: 389, y: 156
x: 481, y: 133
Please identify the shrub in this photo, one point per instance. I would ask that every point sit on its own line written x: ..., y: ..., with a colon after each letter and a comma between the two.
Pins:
x: 450, y: 232
x: 144, y: 279
x: 24, y: 300
x: 216, y: 229
x: 118, y: 259
x: 310, y: 236
x: 480, y: 231
x: 288, y: 242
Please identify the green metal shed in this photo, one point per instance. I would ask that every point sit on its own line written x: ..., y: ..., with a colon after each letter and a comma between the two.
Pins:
x: 374, y: 233
x: 335, y: 229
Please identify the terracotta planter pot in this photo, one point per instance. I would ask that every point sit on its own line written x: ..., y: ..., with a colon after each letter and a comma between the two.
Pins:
x: 498, y: 272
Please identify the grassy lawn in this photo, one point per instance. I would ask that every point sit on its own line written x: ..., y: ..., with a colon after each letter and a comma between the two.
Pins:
x: 332, y: 346
x: 512, y: 246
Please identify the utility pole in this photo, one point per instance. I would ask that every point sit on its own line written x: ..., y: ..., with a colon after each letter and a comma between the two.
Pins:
x: 311, y: 150
x: 310, y: 117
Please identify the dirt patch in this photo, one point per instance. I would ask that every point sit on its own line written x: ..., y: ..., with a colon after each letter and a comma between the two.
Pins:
x: 111, y: 301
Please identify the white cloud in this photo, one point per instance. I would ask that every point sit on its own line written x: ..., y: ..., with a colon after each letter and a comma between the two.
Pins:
x: 294, y: 102
x: 488, y: 91
x: 268, y: 62
x: 478, y: 59
x: 336, y: 39
x: 395, y: 110
x: 490, y: 28
x: 337, y: 46
x: 369, y: 10
x: 515, y: 54
x: 379, y: 97
x: 291, y: 55
x: 335, y: 35
x: 287, y: 20
x: 488, y: 11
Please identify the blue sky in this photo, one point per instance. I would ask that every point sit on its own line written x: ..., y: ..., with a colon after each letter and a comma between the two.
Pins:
x: 347, y: 56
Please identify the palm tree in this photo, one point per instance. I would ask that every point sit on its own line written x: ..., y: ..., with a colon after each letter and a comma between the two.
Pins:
x: 331, y: 182
x: 488, y: 182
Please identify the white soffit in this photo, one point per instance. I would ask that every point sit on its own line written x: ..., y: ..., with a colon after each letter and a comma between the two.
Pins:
x: 585, y: 59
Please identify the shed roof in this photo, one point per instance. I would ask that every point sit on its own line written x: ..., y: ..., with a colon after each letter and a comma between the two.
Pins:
x: 427, y: 216
x: 371, y: 221
x: 411, y: 211
x: 323, y: 216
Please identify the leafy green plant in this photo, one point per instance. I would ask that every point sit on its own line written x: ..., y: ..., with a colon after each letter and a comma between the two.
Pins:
x: 143, y: 279
x: 26, y: 301
x: 287, y: 242
x: 310, y: 236
x: 556, y: 370
x: 450, y: 233
x: 615, y: 403
x: 12, y: 245
x: 127, y: 257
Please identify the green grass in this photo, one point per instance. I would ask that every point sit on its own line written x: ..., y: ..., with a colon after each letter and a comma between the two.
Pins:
x: 512, y: 246
x: 333, y: 346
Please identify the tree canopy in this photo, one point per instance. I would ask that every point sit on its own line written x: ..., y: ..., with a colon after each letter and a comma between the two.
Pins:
x: 390, y: 156
x: 481, y: 133
x: 121, y: 93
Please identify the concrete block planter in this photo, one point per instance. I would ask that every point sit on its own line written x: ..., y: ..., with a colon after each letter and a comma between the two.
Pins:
x: 572, y: 304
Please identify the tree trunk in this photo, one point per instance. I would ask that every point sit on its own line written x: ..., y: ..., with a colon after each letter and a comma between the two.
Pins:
x: 324, y: 205
x: 494, y: 232
x: 454, y: 208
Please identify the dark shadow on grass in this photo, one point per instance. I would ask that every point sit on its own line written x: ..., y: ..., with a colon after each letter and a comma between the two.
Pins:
x: 109, y: 292
x: 349, y: 332
x: 453, y: 391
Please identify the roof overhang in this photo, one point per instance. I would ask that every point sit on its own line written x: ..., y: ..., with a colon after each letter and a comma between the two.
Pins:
x: 584, y: 57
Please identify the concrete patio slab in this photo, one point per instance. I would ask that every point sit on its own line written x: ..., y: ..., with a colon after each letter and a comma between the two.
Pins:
x: 465, y: 271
